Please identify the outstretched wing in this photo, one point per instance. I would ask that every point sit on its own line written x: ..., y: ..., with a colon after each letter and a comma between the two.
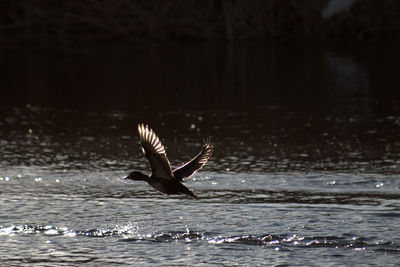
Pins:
x: 154, y: 151
x: 191, y: 167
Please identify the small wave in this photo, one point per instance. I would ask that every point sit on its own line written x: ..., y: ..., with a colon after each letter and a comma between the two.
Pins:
x: 130, y: 233
x: 247, y: 196
x: 52, y: 230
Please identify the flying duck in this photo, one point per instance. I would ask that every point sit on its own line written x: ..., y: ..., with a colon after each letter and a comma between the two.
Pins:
x: 163, y: 178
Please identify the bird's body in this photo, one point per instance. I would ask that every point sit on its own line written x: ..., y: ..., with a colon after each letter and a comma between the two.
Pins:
x: 163, y: 178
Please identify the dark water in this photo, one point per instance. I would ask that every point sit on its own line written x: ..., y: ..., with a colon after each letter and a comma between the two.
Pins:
x: 287, y: 184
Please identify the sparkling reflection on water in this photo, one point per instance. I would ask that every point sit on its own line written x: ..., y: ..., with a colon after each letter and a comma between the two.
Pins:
x: 281, y: 188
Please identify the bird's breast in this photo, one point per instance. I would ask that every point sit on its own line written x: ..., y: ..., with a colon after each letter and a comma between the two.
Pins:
x: 166, y: 187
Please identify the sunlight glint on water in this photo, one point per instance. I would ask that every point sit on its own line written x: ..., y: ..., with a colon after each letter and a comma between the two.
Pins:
x: 262, y: 196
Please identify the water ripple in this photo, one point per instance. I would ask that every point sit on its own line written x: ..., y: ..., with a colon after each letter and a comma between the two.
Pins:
x: 130, y: 234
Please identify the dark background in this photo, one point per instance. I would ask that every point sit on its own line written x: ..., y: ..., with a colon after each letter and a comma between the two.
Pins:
x: 195, y: 55
x: 91, y: 23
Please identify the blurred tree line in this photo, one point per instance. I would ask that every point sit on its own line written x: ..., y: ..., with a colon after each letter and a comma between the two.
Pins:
x: 94, y: 22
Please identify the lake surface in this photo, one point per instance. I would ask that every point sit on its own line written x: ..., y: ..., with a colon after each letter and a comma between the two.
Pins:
x: 310, y: 182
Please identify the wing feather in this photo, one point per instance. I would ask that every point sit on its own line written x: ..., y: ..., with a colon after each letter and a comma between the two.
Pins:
x: 188, y: 169
x: 154, y: 151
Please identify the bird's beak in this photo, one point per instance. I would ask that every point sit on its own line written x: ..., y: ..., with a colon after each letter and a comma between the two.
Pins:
x: 125, y: 177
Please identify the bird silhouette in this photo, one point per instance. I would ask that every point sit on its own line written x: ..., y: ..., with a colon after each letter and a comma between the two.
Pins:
x: 162, y: 177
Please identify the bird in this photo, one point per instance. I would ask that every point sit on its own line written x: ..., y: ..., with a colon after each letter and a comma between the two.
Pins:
x: 162, y: 178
